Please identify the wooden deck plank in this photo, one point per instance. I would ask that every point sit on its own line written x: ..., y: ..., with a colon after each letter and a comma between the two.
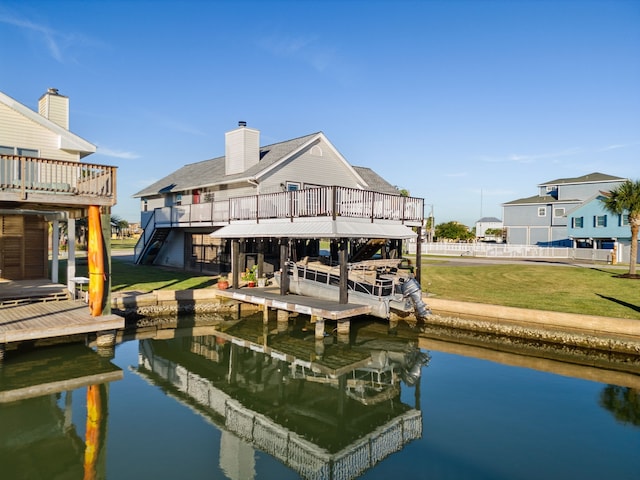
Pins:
x: 297, y: 303
x: 52, y: 319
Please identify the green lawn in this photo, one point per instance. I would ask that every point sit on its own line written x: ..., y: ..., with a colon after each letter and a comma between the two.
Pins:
x: 592, y: 290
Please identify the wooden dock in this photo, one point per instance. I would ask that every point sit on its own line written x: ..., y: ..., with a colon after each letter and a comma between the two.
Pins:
x: 270, y: 297
x: 42, y: 320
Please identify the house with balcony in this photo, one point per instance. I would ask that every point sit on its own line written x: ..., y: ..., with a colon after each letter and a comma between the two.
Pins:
x: 301, y: 189
x: 45, y: 181
x: 542, y: 219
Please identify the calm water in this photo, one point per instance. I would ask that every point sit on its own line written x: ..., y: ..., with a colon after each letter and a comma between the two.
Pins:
x: 253, y: 402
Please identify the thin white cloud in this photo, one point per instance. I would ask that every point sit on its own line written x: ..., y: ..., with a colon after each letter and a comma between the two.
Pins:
x: 310, y: 51
x: 108, y: 152
x: 531, y: 158
x: 617, y: 146
x: 56, y: 42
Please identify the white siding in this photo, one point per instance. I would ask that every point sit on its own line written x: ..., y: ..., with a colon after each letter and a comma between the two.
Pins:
x: 310, y: 169
x: 17, y: 130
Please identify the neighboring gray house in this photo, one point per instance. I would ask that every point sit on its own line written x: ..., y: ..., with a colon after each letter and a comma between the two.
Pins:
x: 259, y: 185
x: 488, y: 223
x: 542, y: 219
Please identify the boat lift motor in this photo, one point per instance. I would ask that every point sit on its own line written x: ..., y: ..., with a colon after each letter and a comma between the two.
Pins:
x: 411, y: 288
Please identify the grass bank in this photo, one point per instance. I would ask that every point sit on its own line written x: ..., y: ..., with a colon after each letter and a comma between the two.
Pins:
x: 594, y: 290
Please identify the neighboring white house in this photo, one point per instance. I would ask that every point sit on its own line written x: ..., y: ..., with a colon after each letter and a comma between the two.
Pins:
x: 43, y: 180
x: 488, y: 223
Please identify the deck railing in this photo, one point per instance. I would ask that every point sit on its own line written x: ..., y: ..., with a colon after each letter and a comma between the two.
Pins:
x: 314, y: 202
x: 28, y: 174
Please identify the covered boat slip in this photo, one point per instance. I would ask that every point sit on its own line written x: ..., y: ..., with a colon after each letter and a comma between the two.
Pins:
x: 299, y: 242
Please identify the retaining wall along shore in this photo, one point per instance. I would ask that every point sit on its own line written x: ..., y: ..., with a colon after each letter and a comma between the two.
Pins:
x: 585, y: 331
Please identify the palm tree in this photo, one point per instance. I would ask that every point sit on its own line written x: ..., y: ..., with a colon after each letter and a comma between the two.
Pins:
x: 626, y: 198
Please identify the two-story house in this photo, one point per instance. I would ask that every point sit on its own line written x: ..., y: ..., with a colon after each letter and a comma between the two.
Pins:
x: 491, y: 224
x: 302, y: 188
x: 542, y: 219
x: 44, y: 180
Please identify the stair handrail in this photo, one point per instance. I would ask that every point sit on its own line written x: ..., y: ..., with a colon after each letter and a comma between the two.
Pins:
x: 143, y: 241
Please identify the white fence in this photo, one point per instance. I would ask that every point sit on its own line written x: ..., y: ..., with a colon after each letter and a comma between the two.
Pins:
x: 497, y: 250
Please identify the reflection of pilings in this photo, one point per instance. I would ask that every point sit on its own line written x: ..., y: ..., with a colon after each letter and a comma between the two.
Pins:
x: 319, y: 348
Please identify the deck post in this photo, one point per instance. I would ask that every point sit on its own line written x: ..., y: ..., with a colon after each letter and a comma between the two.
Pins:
x: 344, y: 327
x: 283, y: 318
x: 284, y: 255
x: 319, y: 331
x: 265, y: 314
x: 235, y: 263
x: 106, y: 338
x: 344, y: 272
x: 283, y: 321
x: 418, y: 268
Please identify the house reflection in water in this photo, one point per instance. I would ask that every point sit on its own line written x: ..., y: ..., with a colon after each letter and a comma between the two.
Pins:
x: 333, y: 415
x: 34, y: 417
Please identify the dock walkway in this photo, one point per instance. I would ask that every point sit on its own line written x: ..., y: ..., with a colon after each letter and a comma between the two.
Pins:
x: 44, y: 320
x: 270, y: 297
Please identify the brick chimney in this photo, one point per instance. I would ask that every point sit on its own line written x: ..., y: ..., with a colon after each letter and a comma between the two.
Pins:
x: 241, y: 149
x: 55, y: 107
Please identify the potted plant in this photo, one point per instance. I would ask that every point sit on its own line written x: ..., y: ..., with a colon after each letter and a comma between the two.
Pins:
x: 262, y: 281
x: 223, y: 282
x: 250, y: 275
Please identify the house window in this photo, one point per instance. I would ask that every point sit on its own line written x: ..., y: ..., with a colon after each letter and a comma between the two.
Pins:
x: 542, y: 211
x: 292, y: 186
x: 178, y: 199
x: 27, y: 152
x: 624, y: 220
x: 23, y: 152
x: 145, y: 205
x: 578, y: 222
x: 558, y: 212
x: 600, y: 221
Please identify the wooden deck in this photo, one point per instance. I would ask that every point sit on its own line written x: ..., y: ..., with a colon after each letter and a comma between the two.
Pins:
x: 271, y: 298
x: 52, y: 319
x: 28, y: 291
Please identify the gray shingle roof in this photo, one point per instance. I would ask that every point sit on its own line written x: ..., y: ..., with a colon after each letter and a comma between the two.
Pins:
x: 542, y: 199
x: 589, y: 178
x: 211, y: 172
x: 375, y: 181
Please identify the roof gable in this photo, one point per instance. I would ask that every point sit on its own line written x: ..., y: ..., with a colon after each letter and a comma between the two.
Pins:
x: 67, y: 140
x: 212, y: 172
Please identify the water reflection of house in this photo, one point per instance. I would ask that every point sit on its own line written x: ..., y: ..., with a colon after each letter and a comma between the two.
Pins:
x: 35, y: 419
x: 329, y: 416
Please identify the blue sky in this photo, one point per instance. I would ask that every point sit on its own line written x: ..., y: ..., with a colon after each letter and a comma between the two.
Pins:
x: 468, y: 104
